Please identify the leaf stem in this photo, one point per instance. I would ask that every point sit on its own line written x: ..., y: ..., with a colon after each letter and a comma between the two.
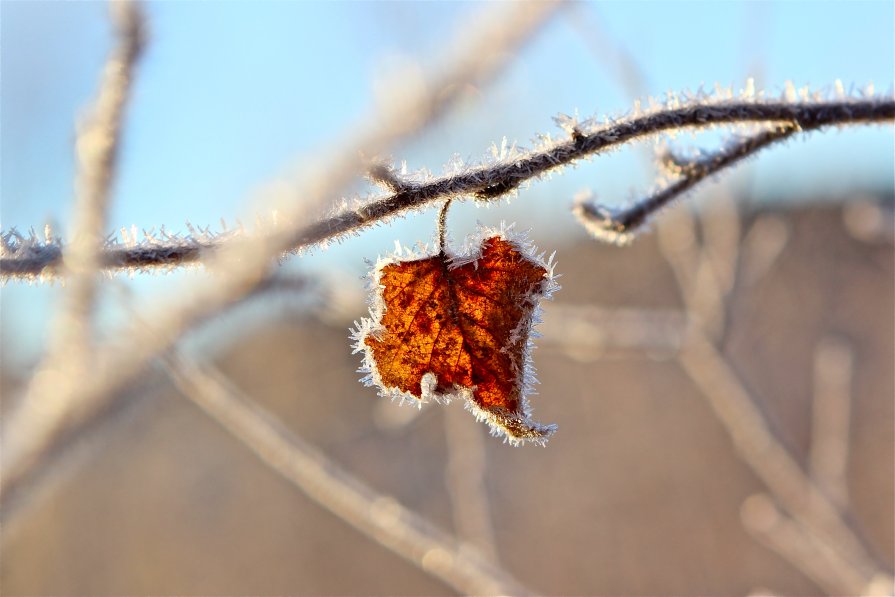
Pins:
x: 441, y: 226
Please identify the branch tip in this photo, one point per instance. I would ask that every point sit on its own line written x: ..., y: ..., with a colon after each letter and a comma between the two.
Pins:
x: 619, y: 226
x: 384, y: 175
x: 602, y: 222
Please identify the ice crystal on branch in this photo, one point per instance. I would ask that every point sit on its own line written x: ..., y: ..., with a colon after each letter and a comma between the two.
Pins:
x: 510, y: 167
x: 459, y: 326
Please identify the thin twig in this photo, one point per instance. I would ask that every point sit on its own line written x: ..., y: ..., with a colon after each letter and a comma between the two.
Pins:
x: 74, y: 446
x: 766, y: 456
x: 502, y: 177
x: 69, y: 357
x: 587, y: 332
x: 704, y: 293
x: 813, y: 557
x: 376, y: 515
x: 619, y: 226
x: 847, y: 560
x: 465, y: 477
x: 709, y: 266
x: 97, y: 146
x: 611, y: 53
x: 831, y: 419
x: 72, y: 449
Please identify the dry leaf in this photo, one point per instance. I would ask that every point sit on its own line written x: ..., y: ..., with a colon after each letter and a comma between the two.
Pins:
x: 452, y: 326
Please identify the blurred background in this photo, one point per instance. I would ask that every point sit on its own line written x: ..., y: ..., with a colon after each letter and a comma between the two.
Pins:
x: 681, y: 466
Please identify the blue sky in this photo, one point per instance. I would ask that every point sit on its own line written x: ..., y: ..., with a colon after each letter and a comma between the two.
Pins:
x: 231, y: 95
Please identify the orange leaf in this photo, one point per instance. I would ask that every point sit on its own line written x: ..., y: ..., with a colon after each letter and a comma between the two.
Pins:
x: 446, y: 327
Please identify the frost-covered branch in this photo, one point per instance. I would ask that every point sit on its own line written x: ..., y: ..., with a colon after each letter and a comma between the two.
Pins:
x: 620, y: 226
x: 30, y: 257
x: 505, y: 174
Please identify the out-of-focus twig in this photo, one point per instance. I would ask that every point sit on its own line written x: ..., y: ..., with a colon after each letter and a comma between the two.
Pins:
x: 588, y: 331
x: 97, y: 145
x: 72, y: 449
x: 612, y: 53
x: 718, y: 266
x: 762, y: 246
x: 74, y: 446
x: 465, y: 476
x: 766, y: 456
x: 705, y: 271
x: 378, y: 516
x: 482, y: 47
x: 831, y: 419
x: 698, y: 269
x: 47, y: 406
x: 819, y: 529
x: 774, y: 529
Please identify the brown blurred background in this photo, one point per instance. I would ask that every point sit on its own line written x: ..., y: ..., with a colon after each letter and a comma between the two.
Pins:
x: 641, y: 492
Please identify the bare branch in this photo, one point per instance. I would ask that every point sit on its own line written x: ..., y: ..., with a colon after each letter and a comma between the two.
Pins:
x: 482, y: 48
x: 620, y: 226
x: 378, y: 516
x: 796, y: 543
x: 612, y: 53
x: 769, y: 459
x: 467, y: 470
x: 22, y: 490
x: 587, y: 332
x: 831, y: 418
x: 97, y: 151
x: 70, y: 355
x: 503, y: 176
x: 71, y: 450
x: 817, y: 540
x: 762, y: 246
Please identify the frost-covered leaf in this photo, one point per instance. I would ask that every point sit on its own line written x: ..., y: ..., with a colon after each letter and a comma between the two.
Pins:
x: 458, y: 326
